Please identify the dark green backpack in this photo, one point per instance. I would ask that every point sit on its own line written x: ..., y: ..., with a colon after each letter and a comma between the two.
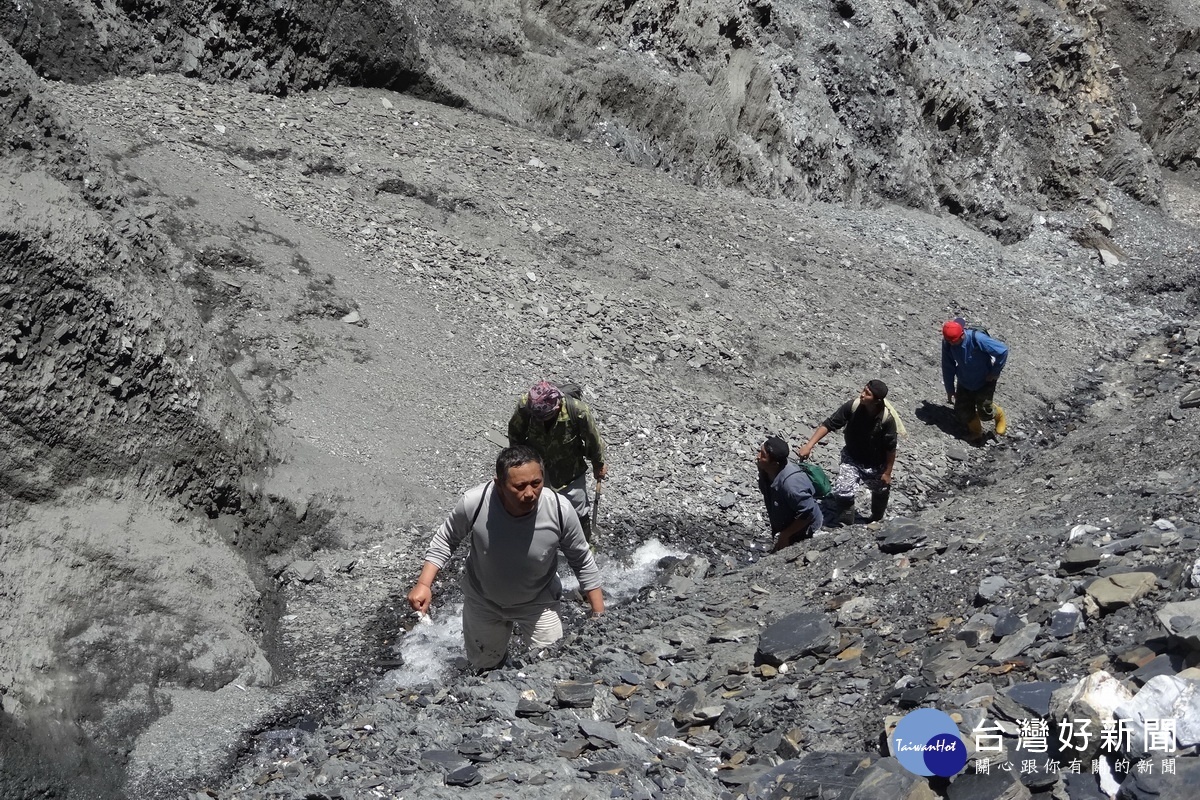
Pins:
x: 820, y: 481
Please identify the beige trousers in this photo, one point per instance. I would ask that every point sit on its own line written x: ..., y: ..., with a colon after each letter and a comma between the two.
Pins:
x: 487, y: 629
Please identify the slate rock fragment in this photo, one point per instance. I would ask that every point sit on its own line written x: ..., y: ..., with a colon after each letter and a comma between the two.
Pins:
x: 599, y: 729
x: 796, y: 635
x: 605, y: 767
x: 531, y: 708
x: 1034, y: 696
x: 816, y: 774
x: 464, y: 776
x: 1066, y: 621
x: 1183, y: 784
x: 447, y: 759
x: 995, y: 784
x: 899, y: 535
x: 1079, y: 558
x: 1165, y: 664
x: 1117, y: 591
x: 574, y: 694
x: 886, y: 779
x: 990, y: 589
x: 1007, y: 623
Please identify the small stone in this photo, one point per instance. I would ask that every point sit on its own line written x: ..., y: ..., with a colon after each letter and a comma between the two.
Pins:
x: 598, y: 729
x: 444, y: 758
x: 575, y: 694
x: 1066, y: 621
x: 900, y: 535
x: 1015, y: 644
x: 605, y: 767
x: 1034, y: 696
x: 990, y: 588
x: 1079, y: 558
x: 304, y: 571
x: 464, y: 776
x: 624, y: 691
x: 1118, y: 591
x: 1007, y: 623
x: 531, y: 708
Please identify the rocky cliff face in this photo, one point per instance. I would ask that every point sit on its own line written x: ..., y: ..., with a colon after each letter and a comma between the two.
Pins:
x: 989, y: 110
x: 119, y: 421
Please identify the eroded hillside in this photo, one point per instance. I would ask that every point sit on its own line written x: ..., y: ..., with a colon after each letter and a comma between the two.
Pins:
x: 990, y: 111
x: 248, y: 319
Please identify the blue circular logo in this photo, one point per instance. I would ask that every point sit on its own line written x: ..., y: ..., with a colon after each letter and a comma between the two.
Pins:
x: 926, y: 742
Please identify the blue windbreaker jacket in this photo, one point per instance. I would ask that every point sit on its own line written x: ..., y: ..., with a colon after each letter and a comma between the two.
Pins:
x: 973, y: 360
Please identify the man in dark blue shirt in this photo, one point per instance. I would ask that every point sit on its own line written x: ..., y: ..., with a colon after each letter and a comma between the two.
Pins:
x: 791, y: 500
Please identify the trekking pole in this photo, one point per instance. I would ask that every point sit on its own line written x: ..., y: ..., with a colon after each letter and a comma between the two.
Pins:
x: 596, y: 510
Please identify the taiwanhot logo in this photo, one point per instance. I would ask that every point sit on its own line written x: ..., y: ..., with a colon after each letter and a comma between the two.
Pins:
x: 926, y: 742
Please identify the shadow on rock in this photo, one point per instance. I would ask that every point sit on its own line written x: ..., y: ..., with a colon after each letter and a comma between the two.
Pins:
x: 940, y: 416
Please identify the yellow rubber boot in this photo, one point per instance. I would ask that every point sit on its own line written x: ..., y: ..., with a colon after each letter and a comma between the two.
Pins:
x: 974, y: 430
x: 1001, y: 420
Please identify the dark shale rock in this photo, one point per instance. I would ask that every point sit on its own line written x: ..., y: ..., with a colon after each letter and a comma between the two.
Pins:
x: 794, y: 636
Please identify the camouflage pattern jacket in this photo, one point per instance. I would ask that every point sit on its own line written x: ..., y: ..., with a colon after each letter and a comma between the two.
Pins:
x: 565, y: 445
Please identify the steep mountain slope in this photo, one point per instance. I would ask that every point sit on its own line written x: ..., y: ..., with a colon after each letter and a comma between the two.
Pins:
x: 241, y: 328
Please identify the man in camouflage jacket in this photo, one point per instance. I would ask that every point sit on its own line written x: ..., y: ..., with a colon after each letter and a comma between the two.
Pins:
x: 563, y: 432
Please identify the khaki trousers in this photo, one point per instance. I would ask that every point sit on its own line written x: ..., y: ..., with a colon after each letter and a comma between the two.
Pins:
x: 487, y: 629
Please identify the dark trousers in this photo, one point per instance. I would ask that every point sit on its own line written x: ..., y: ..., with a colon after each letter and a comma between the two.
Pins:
x: 977, y: 403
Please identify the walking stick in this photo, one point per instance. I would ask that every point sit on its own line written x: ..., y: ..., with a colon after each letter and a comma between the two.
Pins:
x: 596, y: 509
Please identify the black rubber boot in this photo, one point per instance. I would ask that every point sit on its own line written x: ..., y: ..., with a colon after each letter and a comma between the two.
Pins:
x: 834, y: 508
x: 879, y: 503
x: 586, y: 522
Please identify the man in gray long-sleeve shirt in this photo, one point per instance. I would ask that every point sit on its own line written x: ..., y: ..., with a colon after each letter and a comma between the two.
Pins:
x: 510, y: 579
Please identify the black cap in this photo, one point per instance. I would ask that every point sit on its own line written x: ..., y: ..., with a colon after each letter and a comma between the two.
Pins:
x: 777, y: 449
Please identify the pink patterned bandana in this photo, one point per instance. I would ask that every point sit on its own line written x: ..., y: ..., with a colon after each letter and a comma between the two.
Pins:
x: 544, y: 398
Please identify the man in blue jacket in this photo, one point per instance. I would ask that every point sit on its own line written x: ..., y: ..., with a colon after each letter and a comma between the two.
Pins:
x: 791, y: 500
x: 971, y: 364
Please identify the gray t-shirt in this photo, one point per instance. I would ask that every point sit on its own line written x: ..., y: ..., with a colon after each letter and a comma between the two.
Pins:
x: 513, y: 561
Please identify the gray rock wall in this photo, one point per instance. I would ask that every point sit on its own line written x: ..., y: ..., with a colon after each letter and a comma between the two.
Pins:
x: 121, y: 435
x: 987, y: 110
x: 106, y: 371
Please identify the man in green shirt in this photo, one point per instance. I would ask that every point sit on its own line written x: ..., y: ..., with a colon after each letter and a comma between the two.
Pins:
x: 563, y: 431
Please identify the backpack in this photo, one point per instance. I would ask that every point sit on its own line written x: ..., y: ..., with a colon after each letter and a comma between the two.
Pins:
x: 820, y: 480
